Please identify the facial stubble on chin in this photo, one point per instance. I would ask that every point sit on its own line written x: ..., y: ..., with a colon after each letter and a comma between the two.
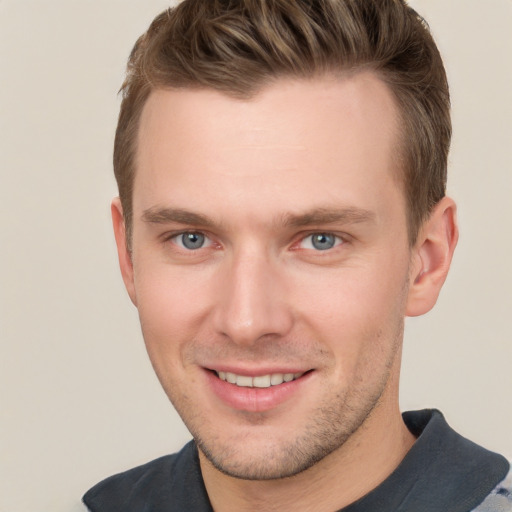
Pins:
x: 328, y: 429
x: 328, y: 432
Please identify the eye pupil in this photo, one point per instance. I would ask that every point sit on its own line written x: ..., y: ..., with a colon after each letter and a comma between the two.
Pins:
x: 192, y: 240
x: 323, y: 241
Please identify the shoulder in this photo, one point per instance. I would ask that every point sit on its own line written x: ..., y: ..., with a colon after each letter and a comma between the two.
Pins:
x: 500, y: 498
x: 125, y: 484
x: 173, y: 479
x: 450, y: 471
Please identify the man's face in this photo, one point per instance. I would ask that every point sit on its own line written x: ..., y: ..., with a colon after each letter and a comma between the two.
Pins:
x: 269, y: 244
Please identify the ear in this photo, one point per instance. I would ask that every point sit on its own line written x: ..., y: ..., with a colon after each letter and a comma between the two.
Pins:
x: 124, y: 255
x: 431, y: 257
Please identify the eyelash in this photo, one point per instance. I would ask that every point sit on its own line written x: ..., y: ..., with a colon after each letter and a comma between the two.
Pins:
x: 174, y: 236
x: 338, y: 240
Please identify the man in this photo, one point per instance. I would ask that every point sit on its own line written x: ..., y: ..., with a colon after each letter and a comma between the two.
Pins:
x: 281, y: 168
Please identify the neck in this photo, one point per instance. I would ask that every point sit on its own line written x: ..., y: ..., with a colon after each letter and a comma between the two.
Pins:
x: 370, y: 455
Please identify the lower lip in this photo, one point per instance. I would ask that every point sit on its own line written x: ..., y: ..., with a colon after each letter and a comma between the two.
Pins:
x: 255, y: 399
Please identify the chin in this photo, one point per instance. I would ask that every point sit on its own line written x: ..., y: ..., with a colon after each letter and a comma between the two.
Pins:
x: 264, y: 455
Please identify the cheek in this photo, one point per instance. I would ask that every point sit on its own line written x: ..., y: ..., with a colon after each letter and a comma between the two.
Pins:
x: 351, y: 293
x: 355, y: 310
x: 169, y: 295
x: 171, y: 305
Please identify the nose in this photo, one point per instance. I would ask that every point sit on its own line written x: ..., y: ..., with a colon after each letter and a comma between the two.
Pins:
x: 252, y: 302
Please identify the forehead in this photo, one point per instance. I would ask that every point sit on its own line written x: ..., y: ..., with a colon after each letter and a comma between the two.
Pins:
x: 330, y: 139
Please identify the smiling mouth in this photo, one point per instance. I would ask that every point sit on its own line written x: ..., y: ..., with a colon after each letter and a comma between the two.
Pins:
x: 261, y: 381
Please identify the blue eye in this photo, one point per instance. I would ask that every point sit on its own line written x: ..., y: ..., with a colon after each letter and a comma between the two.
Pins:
x: 321, y: 241
x: 191, y: 240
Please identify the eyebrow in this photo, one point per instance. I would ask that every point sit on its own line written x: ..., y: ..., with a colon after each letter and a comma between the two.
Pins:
x: 316, y: 216
x: 157, y: 215
x: 329, y: 216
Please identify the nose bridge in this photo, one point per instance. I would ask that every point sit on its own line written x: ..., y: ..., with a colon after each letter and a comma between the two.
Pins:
x: 251, y: 300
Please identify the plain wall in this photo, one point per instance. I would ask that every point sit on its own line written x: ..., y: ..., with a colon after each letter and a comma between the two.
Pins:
x: 79, y: 400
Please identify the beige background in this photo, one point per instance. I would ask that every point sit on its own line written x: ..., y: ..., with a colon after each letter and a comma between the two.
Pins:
x: 78, y: 397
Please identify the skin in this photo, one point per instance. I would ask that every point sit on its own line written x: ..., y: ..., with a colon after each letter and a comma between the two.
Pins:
x: 258, y: 179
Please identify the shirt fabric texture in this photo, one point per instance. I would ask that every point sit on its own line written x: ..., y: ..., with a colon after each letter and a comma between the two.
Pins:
x: 443, y: 471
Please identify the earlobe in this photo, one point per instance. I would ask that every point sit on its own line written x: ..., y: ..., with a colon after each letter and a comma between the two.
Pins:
x: 431, y: 258
x: 124, y: 256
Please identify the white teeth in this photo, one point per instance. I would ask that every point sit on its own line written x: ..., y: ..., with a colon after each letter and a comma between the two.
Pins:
x: 261, y: 381
x: 244, y: 381
x: 276, y: 379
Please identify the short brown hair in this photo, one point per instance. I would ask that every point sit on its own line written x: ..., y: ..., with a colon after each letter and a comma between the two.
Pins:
x: 238, y: 47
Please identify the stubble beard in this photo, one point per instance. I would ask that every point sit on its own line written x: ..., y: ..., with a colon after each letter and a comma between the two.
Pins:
x: 329, y: 428
x: 321, y: 438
